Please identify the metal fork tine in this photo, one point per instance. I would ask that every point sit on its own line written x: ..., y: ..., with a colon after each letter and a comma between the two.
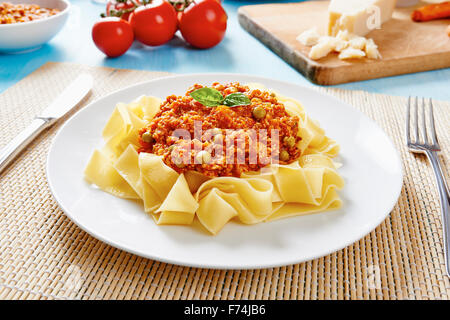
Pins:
x: 431, y: 151
x: 433, y: 129
x: 416, y: 119
x: 424, y: 124
x: 408, y: 116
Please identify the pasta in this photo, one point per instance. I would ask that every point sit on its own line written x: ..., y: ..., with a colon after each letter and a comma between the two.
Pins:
x: 301, y: 185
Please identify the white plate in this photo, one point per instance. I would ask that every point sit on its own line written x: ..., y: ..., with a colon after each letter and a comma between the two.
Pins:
x: 371, y: 169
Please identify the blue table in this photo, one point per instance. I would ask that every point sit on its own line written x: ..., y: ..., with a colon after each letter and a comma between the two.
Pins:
x: 239, y: 52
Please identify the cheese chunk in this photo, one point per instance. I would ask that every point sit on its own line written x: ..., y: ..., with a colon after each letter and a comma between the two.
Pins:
x: 309, y: 37
x: 343, y: 35
x: 341, y: 45
x: 372, y: 50
x: 357, y: 43
x: 351, y: 53
x: 323, y: 48
x: 358, y: 17
x: 348, y: 45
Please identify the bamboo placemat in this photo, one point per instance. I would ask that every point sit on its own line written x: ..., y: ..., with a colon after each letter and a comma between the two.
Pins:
x: 43, y: 255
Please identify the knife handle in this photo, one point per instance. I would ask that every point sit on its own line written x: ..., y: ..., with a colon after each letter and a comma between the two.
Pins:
x: 13, y: 148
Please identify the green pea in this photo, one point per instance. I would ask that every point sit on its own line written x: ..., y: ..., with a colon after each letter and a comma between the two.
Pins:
x: 289, y: 141
x: 197, y: 143
x: 203, y: 157
x: 147, y: 137
x: 259, y: 112
x: 179, y: 163
x: 284, y: 155
x: 218, y: 138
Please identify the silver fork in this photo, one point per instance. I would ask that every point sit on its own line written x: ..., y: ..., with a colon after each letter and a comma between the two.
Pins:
x: 421, y: 143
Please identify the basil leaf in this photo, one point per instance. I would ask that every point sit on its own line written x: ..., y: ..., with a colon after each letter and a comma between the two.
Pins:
x: 207, y: 96
x: 236, y: 99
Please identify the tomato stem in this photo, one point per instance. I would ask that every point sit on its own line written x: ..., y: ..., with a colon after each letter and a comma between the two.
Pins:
x: 121, y: 12
x: 180, y: 5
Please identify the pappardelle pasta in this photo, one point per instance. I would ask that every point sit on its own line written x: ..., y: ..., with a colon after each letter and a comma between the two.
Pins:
x: 223, y: 152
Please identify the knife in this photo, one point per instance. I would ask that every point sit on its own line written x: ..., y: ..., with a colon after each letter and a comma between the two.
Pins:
x: 65, y: 102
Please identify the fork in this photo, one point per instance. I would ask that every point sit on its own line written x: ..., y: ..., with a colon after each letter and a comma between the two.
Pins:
x: 421, y: 143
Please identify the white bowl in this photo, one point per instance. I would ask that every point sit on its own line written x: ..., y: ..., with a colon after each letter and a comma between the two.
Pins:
x: 25, y: 36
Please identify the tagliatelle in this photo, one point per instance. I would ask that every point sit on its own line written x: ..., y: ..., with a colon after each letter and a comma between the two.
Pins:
x: 305, y: 186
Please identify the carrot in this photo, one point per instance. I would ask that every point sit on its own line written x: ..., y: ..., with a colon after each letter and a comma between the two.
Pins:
x: 432, y: 12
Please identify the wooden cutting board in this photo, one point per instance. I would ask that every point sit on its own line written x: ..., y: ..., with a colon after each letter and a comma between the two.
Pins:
x: 405, y: 46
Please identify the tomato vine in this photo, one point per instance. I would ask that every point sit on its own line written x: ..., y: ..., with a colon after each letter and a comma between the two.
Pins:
x: 180, y: 5
x: 119, y: 13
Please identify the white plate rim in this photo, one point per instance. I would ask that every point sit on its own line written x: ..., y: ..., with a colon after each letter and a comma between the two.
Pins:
x: 230, y: 266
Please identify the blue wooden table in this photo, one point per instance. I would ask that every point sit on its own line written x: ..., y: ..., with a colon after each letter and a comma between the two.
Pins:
x: 239, y: 52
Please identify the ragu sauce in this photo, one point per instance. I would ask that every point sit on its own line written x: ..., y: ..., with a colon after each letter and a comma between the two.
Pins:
x: 181, y: 112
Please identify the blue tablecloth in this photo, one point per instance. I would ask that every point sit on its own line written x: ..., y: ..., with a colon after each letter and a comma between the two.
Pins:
x: 239, y: 52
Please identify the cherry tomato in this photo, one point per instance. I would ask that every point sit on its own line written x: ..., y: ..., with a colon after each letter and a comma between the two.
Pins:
x: 154, y: 24
x: 112, y: 36
x: 120, y: 8
x: 203, y: 24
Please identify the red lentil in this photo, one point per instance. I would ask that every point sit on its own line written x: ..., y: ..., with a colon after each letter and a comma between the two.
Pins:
x: 15, y: 13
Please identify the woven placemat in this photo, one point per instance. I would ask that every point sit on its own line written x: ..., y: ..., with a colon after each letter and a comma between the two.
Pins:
x: 43, y: 255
